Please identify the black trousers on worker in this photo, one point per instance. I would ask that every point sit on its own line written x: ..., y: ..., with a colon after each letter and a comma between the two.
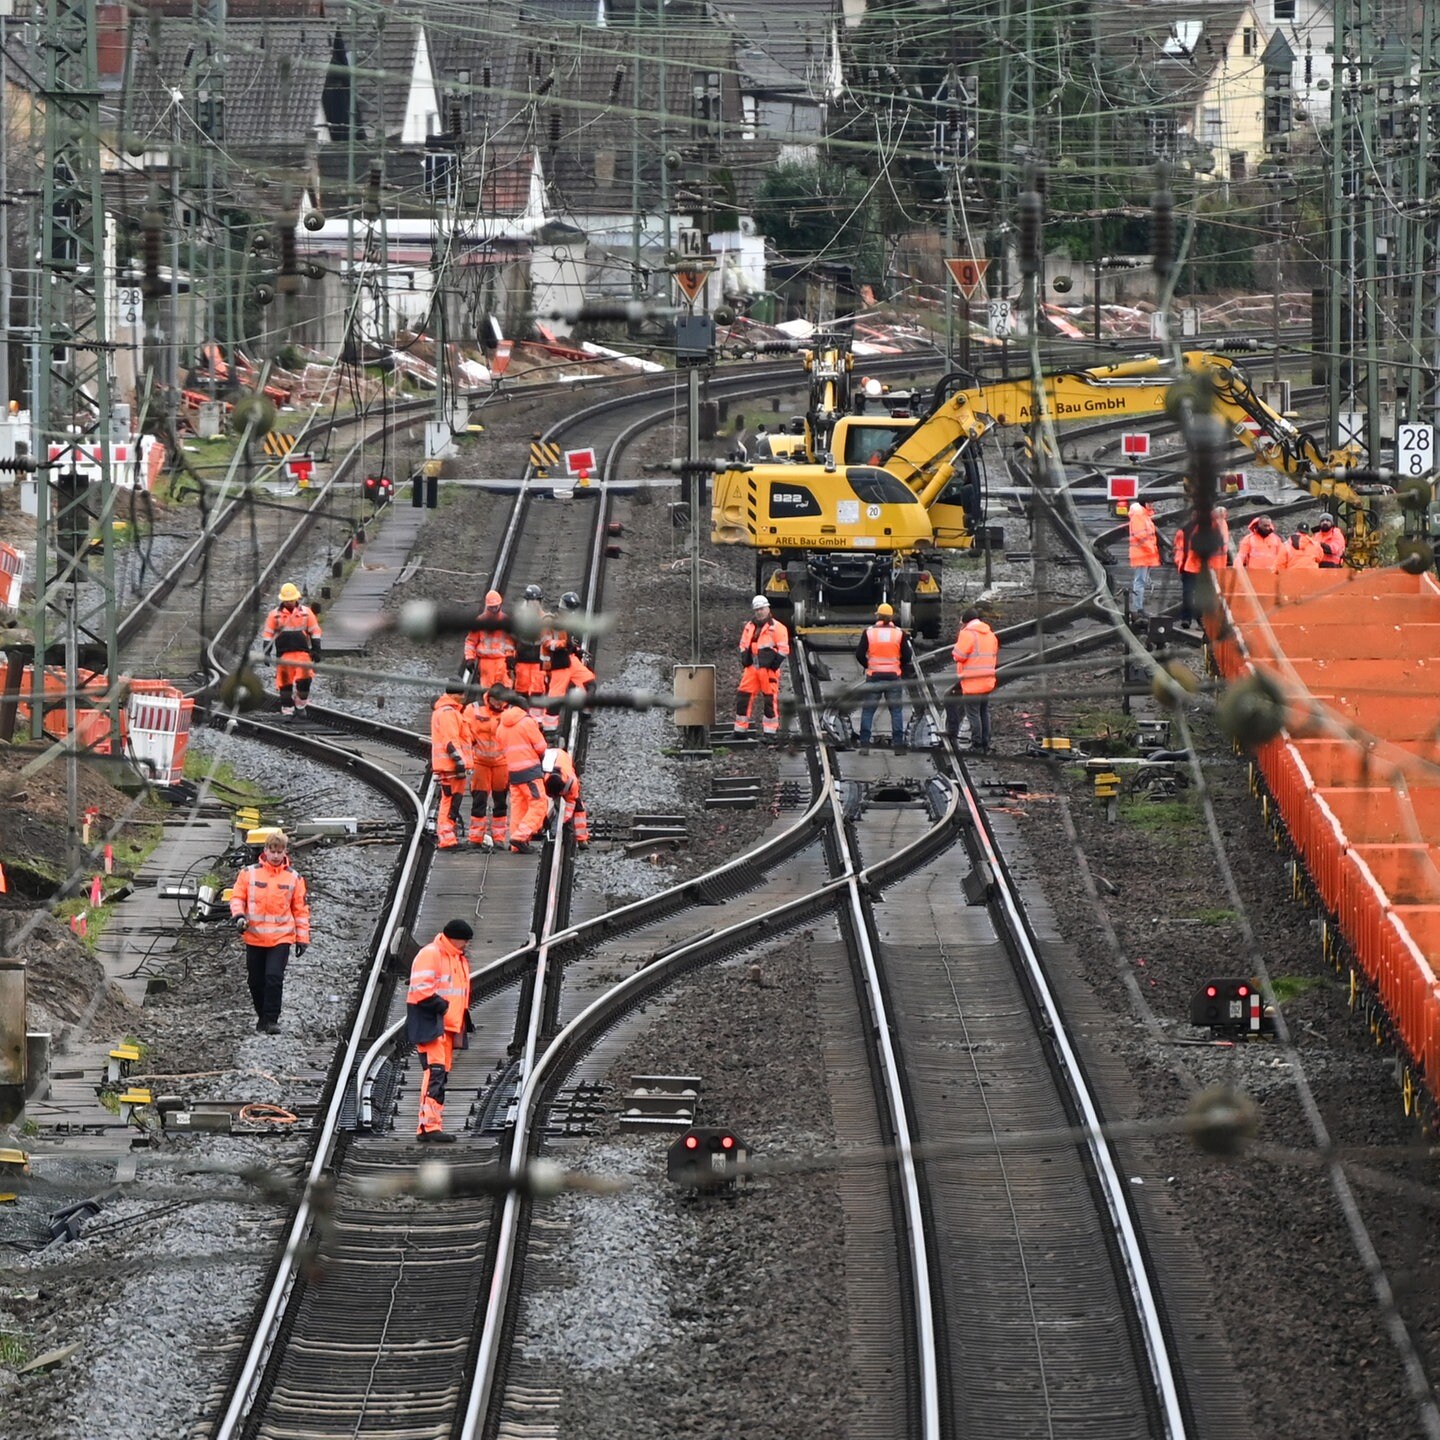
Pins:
x: 265, y: 970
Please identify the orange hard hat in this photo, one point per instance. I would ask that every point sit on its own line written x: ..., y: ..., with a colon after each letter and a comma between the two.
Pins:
x: 493, y: 599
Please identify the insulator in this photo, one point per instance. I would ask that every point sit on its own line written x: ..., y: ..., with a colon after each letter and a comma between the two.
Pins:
x: 554, y: 129
x: 543, y: 88
x: 1030, y: 218
x: 455, y: 121
x: 372, y: 192
x: 1162, y: 232
x: 485, y: 77
x: 617, y: 80
x: 152, y: 226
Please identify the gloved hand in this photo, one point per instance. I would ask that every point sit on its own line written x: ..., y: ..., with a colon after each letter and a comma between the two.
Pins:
x: 469, y: 1023
x: 314, y: 649
x: 241, y: 923
x: 767, y: 658
x: 300, y: 949
x: 267, y: 650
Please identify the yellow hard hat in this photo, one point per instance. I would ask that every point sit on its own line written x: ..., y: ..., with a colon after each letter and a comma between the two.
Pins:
x: 289, y: 592
x: 885, y: 611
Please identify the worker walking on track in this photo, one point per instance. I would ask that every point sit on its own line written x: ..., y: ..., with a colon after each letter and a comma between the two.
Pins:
x: 764, y: 645
x: 489, y: 647
x: 887, y: 656
x: 567, y: 676
x: 977, y: 656
x: 1144, y: 553
x: 489, y: 773
x: 449, y: 761
x: 292, y: 639
x: 562, y: 784
x: 524, y: 745
x: 269, y: 906
x: 437, y: 1021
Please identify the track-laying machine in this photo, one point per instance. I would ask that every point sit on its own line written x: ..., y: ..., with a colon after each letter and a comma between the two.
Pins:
x: 864, y: 509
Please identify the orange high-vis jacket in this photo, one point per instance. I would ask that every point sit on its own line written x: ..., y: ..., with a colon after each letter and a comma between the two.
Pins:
x: 771, y: 635
x: 1300, y: 552
x: 884, y: 642
x: 491, y: 652
x: 448, y: 732
x: 440, y: 969
x: 559, y: 760
x: 976, y: 655
x: 291, y: 631
x: 524, y: 744
x: 482, y: 726
x: 272, y: 900
x: 1144, y: 538
x: 1259, y: 552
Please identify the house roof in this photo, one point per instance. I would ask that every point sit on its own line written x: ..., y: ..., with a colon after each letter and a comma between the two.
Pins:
x: 1171, y: 53
x: 271, y: 81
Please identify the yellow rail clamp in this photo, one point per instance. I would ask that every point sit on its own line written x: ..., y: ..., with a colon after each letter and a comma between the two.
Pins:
x: 1107, y: 785
x: 261, y: 834
x: 247, y: 818
x: 13, y: 1162
x: 1054, y: 742
x: 133, y: 1099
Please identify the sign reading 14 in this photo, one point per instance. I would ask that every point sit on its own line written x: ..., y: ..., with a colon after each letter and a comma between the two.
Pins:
x: 1414, y: 450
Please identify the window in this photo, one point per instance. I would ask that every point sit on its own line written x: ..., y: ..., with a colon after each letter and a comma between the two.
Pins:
x: 1211, y: 125
x: 1163, y: 134
x: 1248, y: 40
x: 1286, y: 10
x: 1238, y: 167
x: 878, y: 487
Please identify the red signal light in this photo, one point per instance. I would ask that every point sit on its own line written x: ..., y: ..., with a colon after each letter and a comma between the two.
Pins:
x: 691, y: 1142
x: 926, y: 577
x: 727, y: 1142
x: 1242, y: 991
x: 1211, y: 991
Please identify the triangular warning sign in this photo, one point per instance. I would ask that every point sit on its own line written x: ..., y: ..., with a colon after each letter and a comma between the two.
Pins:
x: 967, y: 273
x: 692, y: 282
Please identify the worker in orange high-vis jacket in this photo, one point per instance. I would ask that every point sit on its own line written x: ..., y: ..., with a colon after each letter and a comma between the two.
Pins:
x: 562, y: 784
x: 1301, y: 551
x: 885, y: 652
x: 1331, y: 539
x: 567, y: 676
x: 292, y: 639
x: 449, y: 761
x: 489, y: 772
x: 976, y: 654
x: 529, y: 625
x: 437, y: 1021
x: 1144, y: 552
x: 489, y: 647
x: 268, y: 905
x: 524, y: 745
x: 764, y: 644
x: 1260, y: 547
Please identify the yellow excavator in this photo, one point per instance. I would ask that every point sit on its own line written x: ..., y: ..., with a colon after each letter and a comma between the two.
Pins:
x: 864, y: 515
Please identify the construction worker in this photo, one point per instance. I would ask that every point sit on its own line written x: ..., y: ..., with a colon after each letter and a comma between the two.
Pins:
x: 1144, y: 552
x: 1260, y: 547
x: 437, y: 1021
x: 567, y: 677
x: 489, y: 773
x: 269, y: 907
x: 563, y: 784
x: 1331, y: 539
x: 887, y: 655
x: 524, y: 746
x: 1301, y: 551
x: 292, y: 633
x: 490, y: 648
x: 764, y: 644
x: 529, y: 626
x: 449, y: 761
x: 1220, y: 560
x: 977, y: 656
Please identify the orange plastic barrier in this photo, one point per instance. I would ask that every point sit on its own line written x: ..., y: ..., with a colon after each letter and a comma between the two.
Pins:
x: 1356, y: 773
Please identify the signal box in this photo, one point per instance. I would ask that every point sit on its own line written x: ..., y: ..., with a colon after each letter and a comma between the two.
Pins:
x: 1231, y: 1006
x: 706, y: 1159
x: 379, y: 490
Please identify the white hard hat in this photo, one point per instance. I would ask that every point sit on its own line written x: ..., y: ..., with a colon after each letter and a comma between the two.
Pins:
x: 547, y: 763
x: 759, y: 603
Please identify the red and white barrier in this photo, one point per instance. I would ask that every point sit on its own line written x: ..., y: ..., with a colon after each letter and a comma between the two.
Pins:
x: 159, y: 729
x: 12, y: 576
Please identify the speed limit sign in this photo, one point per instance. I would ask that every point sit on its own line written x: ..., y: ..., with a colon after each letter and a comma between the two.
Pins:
x: 1414, y: 450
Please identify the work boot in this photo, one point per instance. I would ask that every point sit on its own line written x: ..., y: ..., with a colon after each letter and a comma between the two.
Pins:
x: 477, y: 835
x: 287, y: 709
x: 269, y: 1027
x: 520, y: 847
x: 435, y: 1137
x: 900, y: 747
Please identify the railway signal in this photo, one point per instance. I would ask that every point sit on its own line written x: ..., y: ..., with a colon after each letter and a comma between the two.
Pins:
x: 707, y: 1159
x: 1231, y: 1006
